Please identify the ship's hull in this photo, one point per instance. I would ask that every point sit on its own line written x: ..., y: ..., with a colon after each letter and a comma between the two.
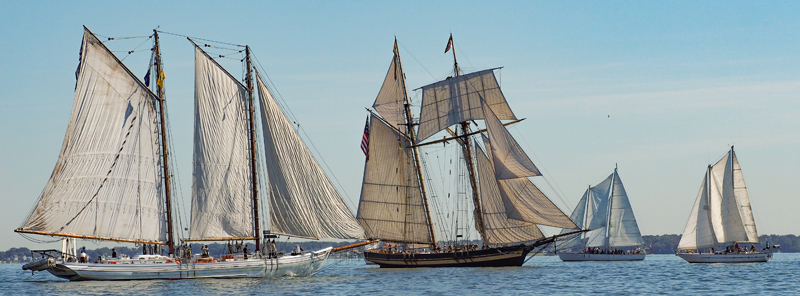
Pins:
x: 291, y: 265
x: 726, y: 257
x: 600, y: 257
x: 492, y: 257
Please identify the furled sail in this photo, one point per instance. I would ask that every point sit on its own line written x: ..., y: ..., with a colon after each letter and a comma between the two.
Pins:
x: 303, y: 202
x: 221, y: 189
x: 391, y: 206
x: 458, y: 99
x: 722, y: 212
x: 390, y: 102
x: 498, y: 228
x: 107, y: 181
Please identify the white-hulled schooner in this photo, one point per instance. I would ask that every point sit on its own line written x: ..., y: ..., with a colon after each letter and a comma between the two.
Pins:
x: 394, y: 205
x: 721, y: 228
x: 111, y: 180
x: 614, y: 236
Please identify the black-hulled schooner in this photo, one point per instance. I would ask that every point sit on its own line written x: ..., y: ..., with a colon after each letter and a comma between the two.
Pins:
x: 394, y: 205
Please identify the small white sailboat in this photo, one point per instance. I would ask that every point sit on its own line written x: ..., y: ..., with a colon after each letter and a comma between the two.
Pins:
x: 721, y: 228
x: 111, y: 182
x: 614, y: 235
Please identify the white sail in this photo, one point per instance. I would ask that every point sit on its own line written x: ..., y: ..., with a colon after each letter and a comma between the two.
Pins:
x: 729, y: 217
x: 107, y: 181
x: 222, y: 183
x: 498, y: 228
x: 699, y: 233
x: 458, y: 99
x: 391, y: 206
x: 510, y: 161
x: 302, y: 200
x: 606, y: 210
x: 623, y: 230
x: 743, y: 200
x: 390, y: 102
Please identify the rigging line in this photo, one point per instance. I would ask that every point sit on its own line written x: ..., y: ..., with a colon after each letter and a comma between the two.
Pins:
x: 561, y: 194
x: 122, y: 38
x: 415, y: 58
x: 198, y: 38
x: 135, y: 48
x: 175, y: 180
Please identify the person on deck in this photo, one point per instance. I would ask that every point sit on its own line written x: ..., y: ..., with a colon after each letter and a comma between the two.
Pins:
x: 113, y: 253
x: 246, y: 251
x: 84, y: 258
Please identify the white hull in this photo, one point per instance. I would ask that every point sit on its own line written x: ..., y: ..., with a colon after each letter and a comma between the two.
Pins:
x: 726, y: 258
x: 600, y: 257
x: 290, y: 265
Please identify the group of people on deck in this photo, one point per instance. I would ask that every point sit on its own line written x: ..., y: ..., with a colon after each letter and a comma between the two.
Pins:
x: 397, y: 249
x: 612, y: 251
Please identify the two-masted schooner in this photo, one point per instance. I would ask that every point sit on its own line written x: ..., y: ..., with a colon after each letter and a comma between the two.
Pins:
x: 614, y: 235
x: 395, y: 207
x: 721, y: 228
x: 111, y: 181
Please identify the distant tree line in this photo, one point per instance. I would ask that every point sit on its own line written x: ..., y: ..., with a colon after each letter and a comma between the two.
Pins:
x: 655, y: 244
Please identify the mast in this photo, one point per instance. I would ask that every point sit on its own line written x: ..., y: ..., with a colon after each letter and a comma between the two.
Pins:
x: 251, y: 111
x: 165, y: 155
x: 414, y: 151
x: 466, y: 148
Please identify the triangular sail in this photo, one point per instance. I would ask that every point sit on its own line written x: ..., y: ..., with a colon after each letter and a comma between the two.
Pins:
x: 303, y: 202
x: 498, y: 228
x: 623, y: 229
x: 458, y: 99
x: 391, y: 206
x: 699, y: 233
x: 510, y: 161
x: 221, y: 189
x: 525, y: 202
x: 107, y: 181
x: 743, y: 199
x: 390, y: 102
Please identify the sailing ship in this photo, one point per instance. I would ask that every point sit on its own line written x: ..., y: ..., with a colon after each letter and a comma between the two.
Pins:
x: 721, y: 224
x: 614, y: 236
x: 394, y: 206
x: 111, y: 182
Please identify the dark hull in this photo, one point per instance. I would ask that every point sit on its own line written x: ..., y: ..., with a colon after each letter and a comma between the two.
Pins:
x: 492, y: 257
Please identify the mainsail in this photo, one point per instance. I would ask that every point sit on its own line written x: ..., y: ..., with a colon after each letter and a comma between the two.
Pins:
x: 221, y: 189
x: 107, y: 181
x: 606, y: 210
x: 303, y: 202
x: 722, y: 212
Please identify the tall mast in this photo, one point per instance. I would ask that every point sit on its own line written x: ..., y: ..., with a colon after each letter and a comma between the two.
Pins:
x: 410, y: 132
x: 466, y: 148
x: 251, y: 107
x: 165, y: 155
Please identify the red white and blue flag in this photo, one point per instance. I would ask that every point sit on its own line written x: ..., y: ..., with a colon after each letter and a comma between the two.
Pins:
x: 449, y: 44
x: 365, y: 139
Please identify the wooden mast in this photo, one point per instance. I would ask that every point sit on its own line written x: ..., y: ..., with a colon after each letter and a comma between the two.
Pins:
x: 251, y: 113
x: 412, y: 136
x: 165, y: 155
x: 466, y: 148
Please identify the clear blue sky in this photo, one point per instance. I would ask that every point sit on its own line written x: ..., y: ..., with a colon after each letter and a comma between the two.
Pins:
x: 661, y: 88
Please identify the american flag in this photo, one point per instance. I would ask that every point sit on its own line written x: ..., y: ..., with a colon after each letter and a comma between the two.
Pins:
x: 365, y: 139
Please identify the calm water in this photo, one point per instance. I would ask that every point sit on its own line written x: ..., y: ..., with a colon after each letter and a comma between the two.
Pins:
x: 658, y: 274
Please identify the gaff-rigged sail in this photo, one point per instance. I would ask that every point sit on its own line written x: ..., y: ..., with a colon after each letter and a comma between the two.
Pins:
x: 221, y: 189
x: 107, y: 181
x: 390, y: 102
x: 459, y: 99
x: 391, y: 206
x: 303, y: 202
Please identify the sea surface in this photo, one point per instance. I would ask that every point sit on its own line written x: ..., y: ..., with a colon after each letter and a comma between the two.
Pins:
x: 657, y: 274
